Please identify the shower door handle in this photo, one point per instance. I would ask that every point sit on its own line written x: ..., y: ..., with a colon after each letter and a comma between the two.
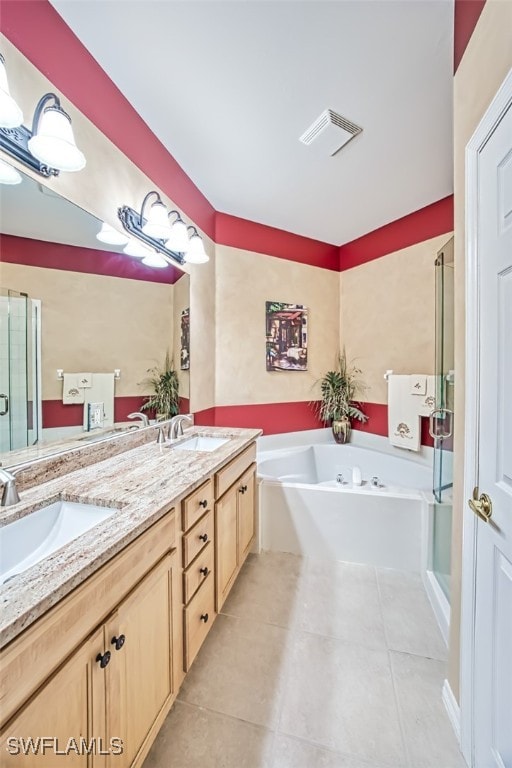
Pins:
x: 440, y: 413
x: 5, y: 409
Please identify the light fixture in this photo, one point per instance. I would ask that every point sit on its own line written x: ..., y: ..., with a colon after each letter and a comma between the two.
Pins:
x: 11, y: 115
x: 111, y: 236
x: 156, y: 224
x: 136, y: 249
x: 133, y: 223
x: 178, y: 241
x: 52, y: 141
x: 155, y: 260
x: 50, y: 146
x: 196, y: 253
x: 8, y: 174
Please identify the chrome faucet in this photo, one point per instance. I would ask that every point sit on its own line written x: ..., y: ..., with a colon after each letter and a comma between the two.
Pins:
x: 141, y: 416
x: 176, y: 425
x: 10, y: 493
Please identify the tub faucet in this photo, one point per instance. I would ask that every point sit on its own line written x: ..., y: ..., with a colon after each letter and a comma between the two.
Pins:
x: 10, y: 493
x: 176, y: 425
x: 141, y: 416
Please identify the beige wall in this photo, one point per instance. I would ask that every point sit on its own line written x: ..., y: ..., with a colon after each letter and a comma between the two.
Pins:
x: 202, y: 333
x: 97, y: 323
x: 244, y: 282
x: 388, y: 314
x: 483, y: 68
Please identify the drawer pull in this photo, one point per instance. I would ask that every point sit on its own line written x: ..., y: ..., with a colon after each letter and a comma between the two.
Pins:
x: 204, y: 537
x: 103, y: 660
x: 204, y: 571
x: 243, y: 489
x: 118, y: 642
x: 204, y: 617
x: 203, y: 503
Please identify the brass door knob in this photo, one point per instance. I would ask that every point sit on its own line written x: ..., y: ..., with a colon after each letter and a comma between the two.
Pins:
x: 481, y: 506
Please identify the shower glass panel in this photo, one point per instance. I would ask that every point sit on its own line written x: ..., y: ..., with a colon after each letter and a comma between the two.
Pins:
x: 20, y: 412
x: 443, y: 443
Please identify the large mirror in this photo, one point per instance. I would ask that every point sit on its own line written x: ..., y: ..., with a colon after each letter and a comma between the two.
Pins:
x: 72, y: 305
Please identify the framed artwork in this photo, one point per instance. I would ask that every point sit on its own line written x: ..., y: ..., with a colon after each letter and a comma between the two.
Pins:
x: 185, y: 340
x: 287, y: 336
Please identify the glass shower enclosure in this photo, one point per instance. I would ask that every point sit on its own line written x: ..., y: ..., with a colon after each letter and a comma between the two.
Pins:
x: 20, y: 374
x: 441, y: 420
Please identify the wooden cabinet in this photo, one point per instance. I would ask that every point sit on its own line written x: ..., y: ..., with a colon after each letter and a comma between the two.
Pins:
x: 70, y: 705
x: 117, y: 683
x: 140, y: 683
x: 234, y: 530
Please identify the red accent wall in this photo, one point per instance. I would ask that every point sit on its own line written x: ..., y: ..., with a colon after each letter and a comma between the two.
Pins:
x: 276, y: 418
x: 431, y: 221
x: 250, y: 236
x: 55, y: 414
x: 37, y: 30
x: 466, y: 15
x: 36, y: 253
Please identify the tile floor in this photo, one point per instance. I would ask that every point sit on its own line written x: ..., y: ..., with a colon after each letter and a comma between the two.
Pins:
x: 314, y: 665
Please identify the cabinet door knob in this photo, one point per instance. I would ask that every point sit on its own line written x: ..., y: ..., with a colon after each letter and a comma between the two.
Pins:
x: 203, y: 503
x: 118, y: 642
x: 243, y: 489
x: 204, y: 571
x: 103, y: 659
x: 204, y: 617
x: 204, y: 537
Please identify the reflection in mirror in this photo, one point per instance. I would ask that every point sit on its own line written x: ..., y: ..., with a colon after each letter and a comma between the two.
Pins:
x: 73, y: 304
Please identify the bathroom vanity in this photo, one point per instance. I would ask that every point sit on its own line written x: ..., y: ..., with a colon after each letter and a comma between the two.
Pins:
x: 97, y: 637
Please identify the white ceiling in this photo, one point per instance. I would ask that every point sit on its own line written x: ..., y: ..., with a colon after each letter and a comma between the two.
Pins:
x: 228, y: 86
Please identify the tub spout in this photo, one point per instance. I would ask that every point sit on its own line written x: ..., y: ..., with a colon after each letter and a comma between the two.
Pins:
x: 356, y: 476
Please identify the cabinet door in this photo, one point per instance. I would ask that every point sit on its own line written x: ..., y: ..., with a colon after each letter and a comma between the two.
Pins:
x: 65, y: 720
x: 140, y: 681
x: 246, y: 492
x: 226, y: 546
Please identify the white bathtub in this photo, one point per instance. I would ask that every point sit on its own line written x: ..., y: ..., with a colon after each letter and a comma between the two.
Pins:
x: 304, y: 509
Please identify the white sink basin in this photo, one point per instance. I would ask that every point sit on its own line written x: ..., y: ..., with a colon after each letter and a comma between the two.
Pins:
x: 33, y: 537
x: 200, y: 443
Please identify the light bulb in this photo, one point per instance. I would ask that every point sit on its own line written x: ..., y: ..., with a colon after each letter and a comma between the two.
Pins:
x: 136, y: 249
x: 53, y: 143
x: 155, y: 260
x: 8, y: 174
x: 157, y: 224
x: 11, y: 115
x: 111, y: 236
x: 178, y: 241
x: 196, y: 253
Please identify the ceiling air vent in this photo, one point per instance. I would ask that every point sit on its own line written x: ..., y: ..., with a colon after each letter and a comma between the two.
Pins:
x: 330, y: 132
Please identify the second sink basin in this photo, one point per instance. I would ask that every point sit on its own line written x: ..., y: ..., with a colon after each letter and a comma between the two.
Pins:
x: 200, y: 443
x: 33, y: 537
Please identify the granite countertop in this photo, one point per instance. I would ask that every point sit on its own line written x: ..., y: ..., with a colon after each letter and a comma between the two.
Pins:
x: 140, y: 483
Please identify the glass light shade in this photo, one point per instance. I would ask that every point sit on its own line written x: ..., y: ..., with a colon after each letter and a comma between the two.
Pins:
x: 157, y: 224
x: 196, y: 253
x: 54, y: 143
x: 136, y: 249
x: 108, y: 234
x: 11, y: 115
x: 155, y: 260
x: 178, y: 241
x: 8, y: 174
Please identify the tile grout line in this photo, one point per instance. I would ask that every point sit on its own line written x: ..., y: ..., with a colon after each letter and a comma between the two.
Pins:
x: 392, y: 674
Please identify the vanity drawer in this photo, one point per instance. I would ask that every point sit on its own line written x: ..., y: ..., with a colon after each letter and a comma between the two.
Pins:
x: 199, y: 616
x: 197, y: 538
x: 197, y: 572
x: 197, y: 504
x: 229, y: 474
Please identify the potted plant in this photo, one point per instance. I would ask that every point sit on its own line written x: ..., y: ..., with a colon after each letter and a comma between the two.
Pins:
x: 338, y: 388
x: 165, y: 400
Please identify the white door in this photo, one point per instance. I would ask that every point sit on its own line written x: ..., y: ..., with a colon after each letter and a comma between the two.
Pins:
x: 492, y: 660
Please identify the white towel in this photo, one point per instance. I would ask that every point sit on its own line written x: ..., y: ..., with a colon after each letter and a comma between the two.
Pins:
x: 102, y: 391
x: 403, y: 417
x: 427, y: 403
x: 71, y: 391
x: 84, y: 380
x: 418, y: 384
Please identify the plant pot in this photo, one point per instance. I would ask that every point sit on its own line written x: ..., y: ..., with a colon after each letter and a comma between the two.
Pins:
x: 341, y: 430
